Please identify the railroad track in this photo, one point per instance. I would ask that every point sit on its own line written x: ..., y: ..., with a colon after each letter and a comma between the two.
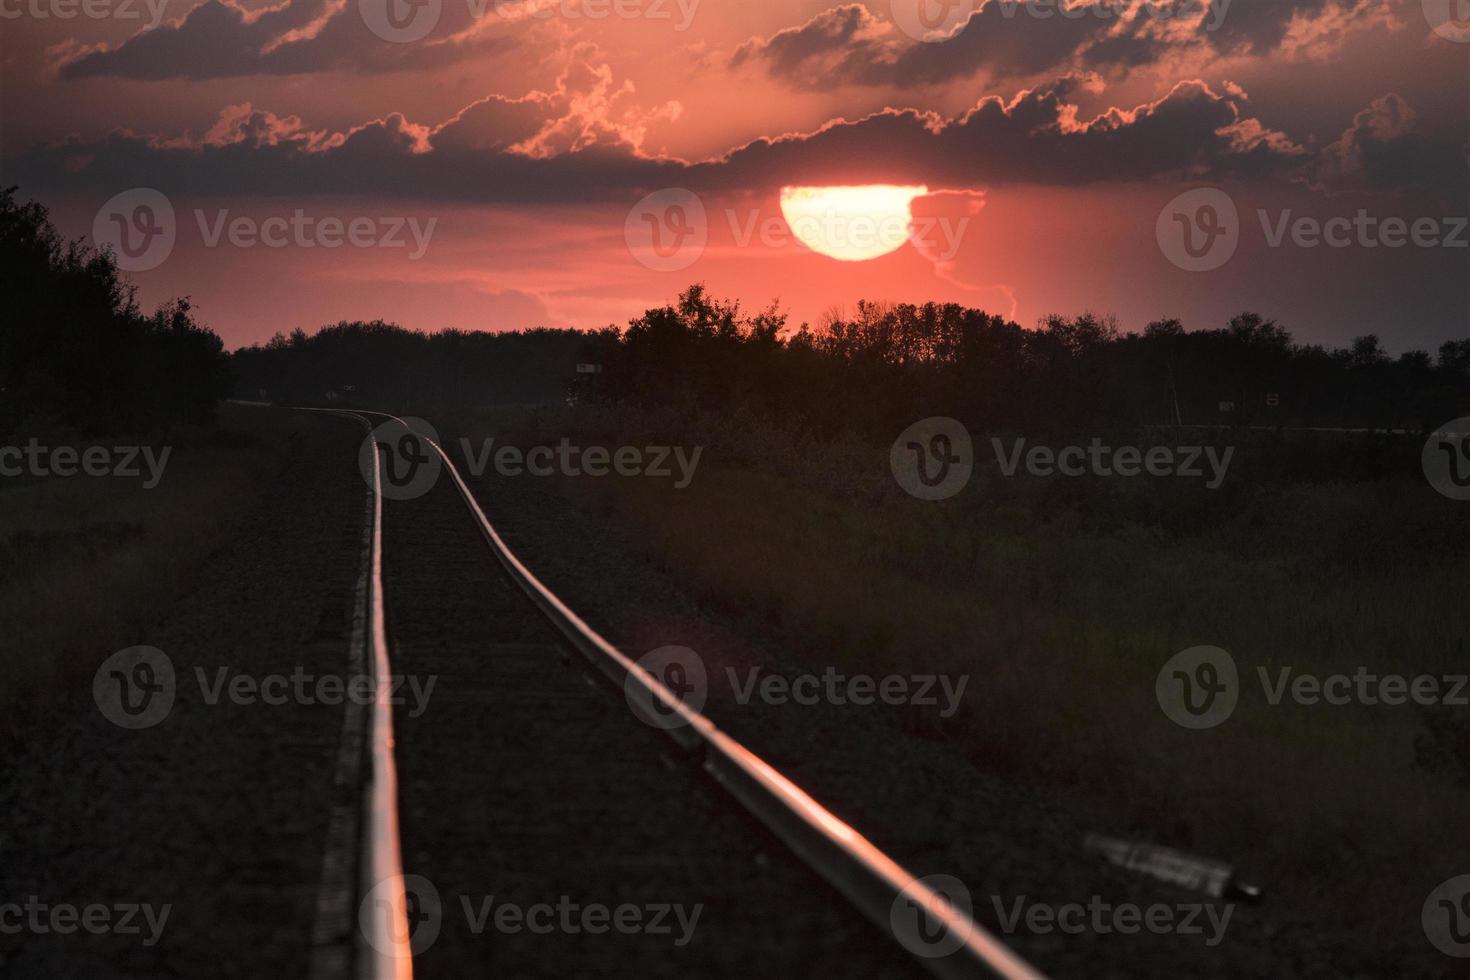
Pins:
x: 511, y: 690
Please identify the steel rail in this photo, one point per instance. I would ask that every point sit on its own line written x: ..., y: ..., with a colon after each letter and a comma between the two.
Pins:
x: 869, y: 879
x: 382, y: 950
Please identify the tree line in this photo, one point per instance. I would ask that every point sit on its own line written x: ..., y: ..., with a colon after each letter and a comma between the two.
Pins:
x: 385, y: 365
x: 886, y: 364
x: 77, y: 352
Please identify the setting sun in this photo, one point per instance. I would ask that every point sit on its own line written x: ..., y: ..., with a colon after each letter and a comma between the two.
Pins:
x: 850, y: 223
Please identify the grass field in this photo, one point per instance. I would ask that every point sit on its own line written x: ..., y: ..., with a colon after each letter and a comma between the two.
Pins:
x: 1063, y: 598
x: 89, y: 563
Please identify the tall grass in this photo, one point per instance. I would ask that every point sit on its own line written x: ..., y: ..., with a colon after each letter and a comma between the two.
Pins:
x: 1063, y: 599
x: 89, y: 564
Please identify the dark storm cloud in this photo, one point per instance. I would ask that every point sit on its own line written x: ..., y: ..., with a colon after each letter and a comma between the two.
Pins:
x: 848, y: 45
x: 218, y: 39
x: 1003, y: 41
x: 1386, y: 148
x: 845, y: 31
x: 213, y: 40
x: 1033, y: 138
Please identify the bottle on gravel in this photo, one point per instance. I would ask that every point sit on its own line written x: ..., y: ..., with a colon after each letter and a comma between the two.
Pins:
x: 1213, y: 878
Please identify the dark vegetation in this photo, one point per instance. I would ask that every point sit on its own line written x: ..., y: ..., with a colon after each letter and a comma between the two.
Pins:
x: 887, y: 365
x: 380, y: 364
x: 1061, y: 599
x: 881, y: 368
x: 76, y: 352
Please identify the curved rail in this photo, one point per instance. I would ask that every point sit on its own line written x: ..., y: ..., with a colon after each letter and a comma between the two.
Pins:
x: 871, y: 880
x: 382, y: 931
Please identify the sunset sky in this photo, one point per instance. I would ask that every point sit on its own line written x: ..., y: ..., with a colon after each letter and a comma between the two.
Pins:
x: 525, y: 155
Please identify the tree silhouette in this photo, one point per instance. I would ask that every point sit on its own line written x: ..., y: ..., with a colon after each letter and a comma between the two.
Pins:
x: 76, y: 351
